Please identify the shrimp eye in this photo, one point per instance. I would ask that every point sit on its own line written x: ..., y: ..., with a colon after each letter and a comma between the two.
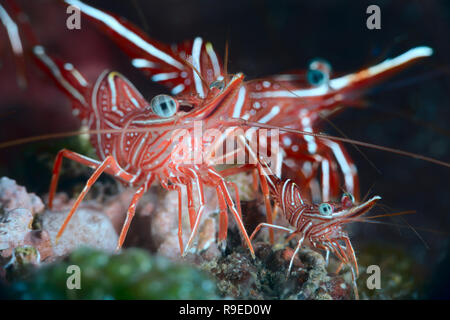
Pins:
x: 219, y: 84
x: 164, y: 105
x: 325, y: 209
x: 348, y: 199
x: 318, y: 72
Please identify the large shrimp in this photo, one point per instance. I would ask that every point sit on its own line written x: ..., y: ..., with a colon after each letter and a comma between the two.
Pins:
x: 134, y: 155
x: 297, y: 99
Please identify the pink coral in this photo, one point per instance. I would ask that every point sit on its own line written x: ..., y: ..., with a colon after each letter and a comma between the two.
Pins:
x: 13, y: 196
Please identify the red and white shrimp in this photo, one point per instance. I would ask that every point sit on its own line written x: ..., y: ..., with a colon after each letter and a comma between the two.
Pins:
x: 296, y: 100
x: 136, y: 156
x: 318, y: 225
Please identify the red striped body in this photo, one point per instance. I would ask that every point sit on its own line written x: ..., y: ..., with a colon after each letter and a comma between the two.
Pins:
x: 318, y: 225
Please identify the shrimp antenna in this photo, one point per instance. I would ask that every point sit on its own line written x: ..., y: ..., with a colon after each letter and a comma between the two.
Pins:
x: 401, y: 213
x: 426, y: 124
x: 197, y: 72
x: 140, y: 13
x: 398, y: 225
x: 368, y: 192
x: 353, y: 145
x: 417, y: 233
x: 225, y: 65
x: 351, y: 141
x: 232, y: 122
x: 406, y: 225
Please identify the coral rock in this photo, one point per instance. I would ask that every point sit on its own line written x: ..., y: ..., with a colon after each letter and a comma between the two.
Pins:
x: 14, y: 226
x: 40, y: 240
x: 86, y: 228
x: 13, y: 196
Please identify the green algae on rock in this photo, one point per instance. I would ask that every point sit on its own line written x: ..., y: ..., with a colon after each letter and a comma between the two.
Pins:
x: 131, y: 274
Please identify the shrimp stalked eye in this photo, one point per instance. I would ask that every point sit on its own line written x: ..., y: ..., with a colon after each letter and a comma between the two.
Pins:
x: 325, y: 209
x: 318, y: 72
x: 164, y: 105
x: 347, y: 200
x: 219, y: 84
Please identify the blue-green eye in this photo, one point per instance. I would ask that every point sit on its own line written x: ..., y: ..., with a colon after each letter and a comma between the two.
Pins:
x: 164, y: 105
x: 318, y: 72
x: 325, y: 209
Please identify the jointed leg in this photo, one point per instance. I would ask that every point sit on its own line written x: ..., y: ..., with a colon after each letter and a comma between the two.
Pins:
x: 110, y: 163
x: 237, y: 217
x: 266, y: 193
x: 355, y: 287
x: 351, y: 253
x: 339, y: 268
x: 337, y: 251
x: 223, y: 218
x: 92, y: 163
x: 299, y: 244
x: 198, y: 216
x: 57, y: 169
x: 327, y: 256
x: 222, y: 202
x: 272, y: 226
x: 180, y: 222
x: 236, y: 195
x: 131, y: 210
x: 180, y: 211
x: 191, y: 206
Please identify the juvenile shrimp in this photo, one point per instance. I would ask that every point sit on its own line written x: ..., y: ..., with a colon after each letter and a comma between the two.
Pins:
x: 317, y: 225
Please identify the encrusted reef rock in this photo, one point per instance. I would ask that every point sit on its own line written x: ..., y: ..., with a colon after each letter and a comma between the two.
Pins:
x: 86, y: 228
x: 240, y: 277
x: 13, y: 196
x: 14, y: 227
x: 23, y: 224
x: 16, y: 231
x: 38, y: 263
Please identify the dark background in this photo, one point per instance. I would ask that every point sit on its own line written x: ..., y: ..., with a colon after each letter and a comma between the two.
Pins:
x: 409, y: 112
